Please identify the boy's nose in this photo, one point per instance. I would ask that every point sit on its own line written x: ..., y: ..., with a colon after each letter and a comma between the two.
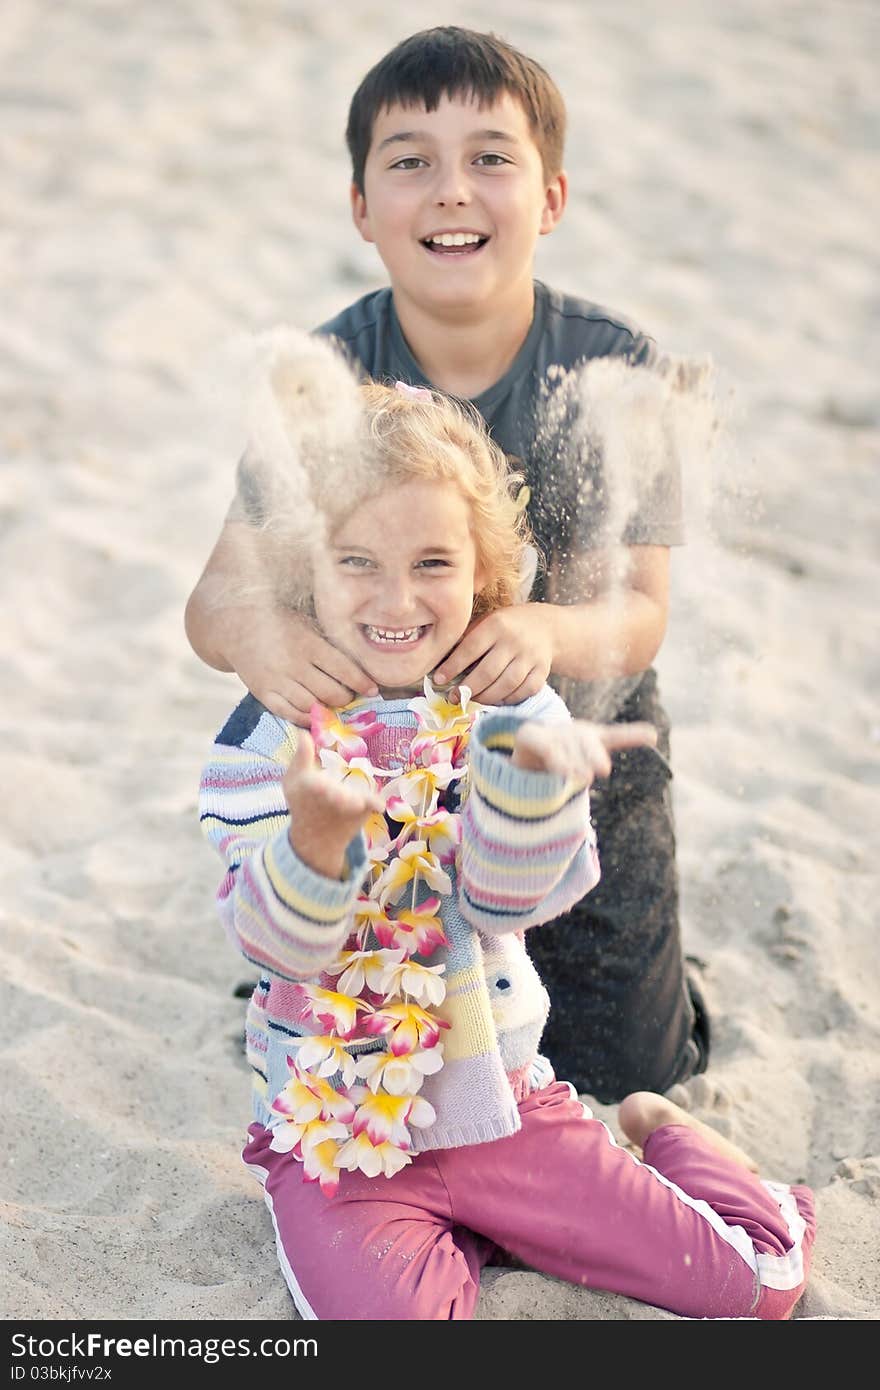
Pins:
x: 451, y: 188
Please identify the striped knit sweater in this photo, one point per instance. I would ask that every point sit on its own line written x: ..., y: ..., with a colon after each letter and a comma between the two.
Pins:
x: 528, y: 853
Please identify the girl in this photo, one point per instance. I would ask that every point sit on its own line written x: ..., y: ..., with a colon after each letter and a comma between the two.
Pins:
x: 381, y: 873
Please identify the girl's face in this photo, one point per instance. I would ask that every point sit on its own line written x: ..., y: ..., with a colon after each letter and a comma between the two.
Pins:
x: 396, y: 585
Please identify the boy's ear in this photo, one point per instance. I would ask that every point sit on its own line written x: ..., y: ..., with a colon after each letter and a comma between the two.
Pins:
x: 359, y: 215
x: 555, y: 199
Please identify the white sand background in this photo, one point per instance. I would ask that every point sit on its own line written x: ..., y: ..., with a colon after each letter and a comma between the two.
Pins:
x: 174, y: 174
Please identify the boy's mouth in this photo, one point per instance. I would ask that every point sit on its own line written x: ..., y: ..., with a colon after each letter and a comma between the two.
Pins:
x: 454, y: 243
x: 386, y: 639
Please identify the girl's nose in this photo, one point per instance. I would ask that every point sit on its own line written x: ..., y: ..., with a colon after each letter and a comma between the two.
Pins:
x: 397, y: 599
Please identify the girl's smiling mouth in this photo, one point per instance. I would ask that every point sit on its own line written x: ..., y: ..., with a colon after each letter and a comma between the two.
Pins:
x: 394, y: 639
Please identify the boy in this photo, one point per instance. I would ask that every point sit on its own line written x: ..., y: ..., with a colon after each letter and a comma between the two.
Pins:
x: 456, y: 142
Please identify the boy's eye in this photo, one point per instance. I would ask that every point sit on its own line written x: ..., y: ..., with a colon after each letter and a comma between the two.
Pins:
x: 409, y: 161
x: 492, y: 160
x: 356, y: 562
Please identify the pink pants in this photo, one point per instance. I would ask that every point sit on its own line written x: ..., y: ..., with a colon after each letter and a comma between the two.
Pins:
x: 688, y: 1230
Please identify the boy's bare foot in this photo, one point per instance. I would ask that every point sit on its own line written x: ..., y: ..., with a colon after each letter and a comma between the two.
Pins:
x: 643, y: 1112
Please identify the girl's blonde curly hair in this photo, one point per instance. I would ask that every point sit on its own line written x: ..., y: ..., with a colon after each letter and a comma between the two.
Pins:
x: 429, y: 437
x: 321, y: 444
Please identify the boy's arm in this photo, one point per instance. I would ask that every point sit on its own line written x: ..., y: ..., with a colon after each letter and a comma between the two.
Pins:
x: 234, y: 623
x: 283, y: 913
x: 606, y: 616
x: 608, y: 611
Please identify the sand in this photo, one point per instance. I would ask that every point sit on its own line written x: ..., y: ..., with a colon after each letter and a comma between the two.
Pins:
x: 174, y: 176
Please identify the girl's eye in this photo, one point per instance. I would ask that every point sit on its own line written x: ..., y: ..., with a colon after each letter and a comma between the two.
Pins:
x: 356, y: 562
x: 436, y: 561
x: 409, y: 161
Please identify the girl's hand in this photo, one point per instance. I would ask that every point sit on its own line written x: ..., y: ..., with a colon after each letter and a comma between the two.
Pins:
x: 325, y: 815
x: 579, y: 750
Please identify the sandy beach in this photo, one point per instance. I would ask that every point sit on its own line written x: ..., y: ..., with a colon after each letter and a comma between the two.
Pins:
x: 174, y: 178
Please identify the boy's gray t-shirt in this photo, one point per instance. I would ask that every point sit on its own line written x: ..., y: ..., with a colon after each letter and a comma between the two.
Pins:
x: 535, y: 414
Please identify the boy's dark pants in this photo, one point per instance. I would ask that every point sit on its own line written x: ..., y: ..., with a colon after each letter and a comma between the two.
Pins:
x: 623, y: 1017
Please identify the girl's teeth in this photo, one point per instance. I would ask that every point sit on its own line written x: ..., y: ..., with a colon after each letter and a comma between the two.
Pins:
x: 382, y: 634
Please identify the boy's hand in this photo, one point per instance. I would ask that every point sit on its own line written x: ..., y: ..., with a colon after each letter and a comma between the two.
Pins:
x: 513, y: 649
x: 579, y: 750
x: 325, y: 815
x: 288, y: 665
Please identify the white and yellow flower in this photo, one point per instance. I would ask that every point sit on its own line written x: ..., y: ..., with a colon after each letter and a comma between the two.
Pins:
x: 325, y: 1055
x: 419, y: 787
x: 383, y: 1117
x: 436, y: 712
x: 290, y: 1137
x: 350, y: 769
x: 378, y: 837
x: 399, y: 1076
x: 420, y: 982
x: 369, y: 913
x: 321, y: 1165
x: 372, y: 1159
x: 408, y: 1027
x: 441, y: 828
x: 357, y: 969
x: 306, y: 1097
x: 346, y: 737
x: 414, y: 859
x: 332, y: 1010
x: 416, y: 930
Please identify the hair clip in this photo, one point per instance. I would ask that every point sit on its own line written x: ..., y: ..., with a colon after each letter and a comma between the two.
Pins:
x: 415, y: 393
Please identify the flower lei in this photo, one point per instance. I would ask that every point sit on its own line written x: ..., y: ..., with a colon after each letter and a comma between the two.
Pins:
x: 381, y: 990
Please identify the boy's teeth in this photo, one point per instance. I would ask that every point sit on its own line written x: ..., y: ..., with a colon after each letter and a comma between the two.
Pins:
x: 455, y: 239
x: 385, y: 635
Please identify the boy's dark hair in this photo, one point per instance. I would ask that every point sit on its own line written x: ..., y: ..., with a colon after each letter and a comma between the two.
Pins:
x: 454, y: 62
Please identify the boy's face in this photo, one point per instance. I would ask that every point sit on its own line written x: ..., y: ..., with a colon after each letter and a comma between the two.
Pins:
x: 394, y: 589
x: 457, y: 170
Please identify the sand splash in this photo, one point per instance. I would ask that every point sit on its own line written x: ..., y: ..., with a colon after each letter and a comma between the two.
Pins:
x: 630, y: 443
x: 304, y: 456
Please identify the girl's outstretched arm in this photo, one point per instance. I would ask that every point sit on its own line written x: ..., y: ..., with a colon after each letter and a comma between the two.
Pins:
x: 580, y: 750
x: 284, y: 914
x: 528, y: 848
